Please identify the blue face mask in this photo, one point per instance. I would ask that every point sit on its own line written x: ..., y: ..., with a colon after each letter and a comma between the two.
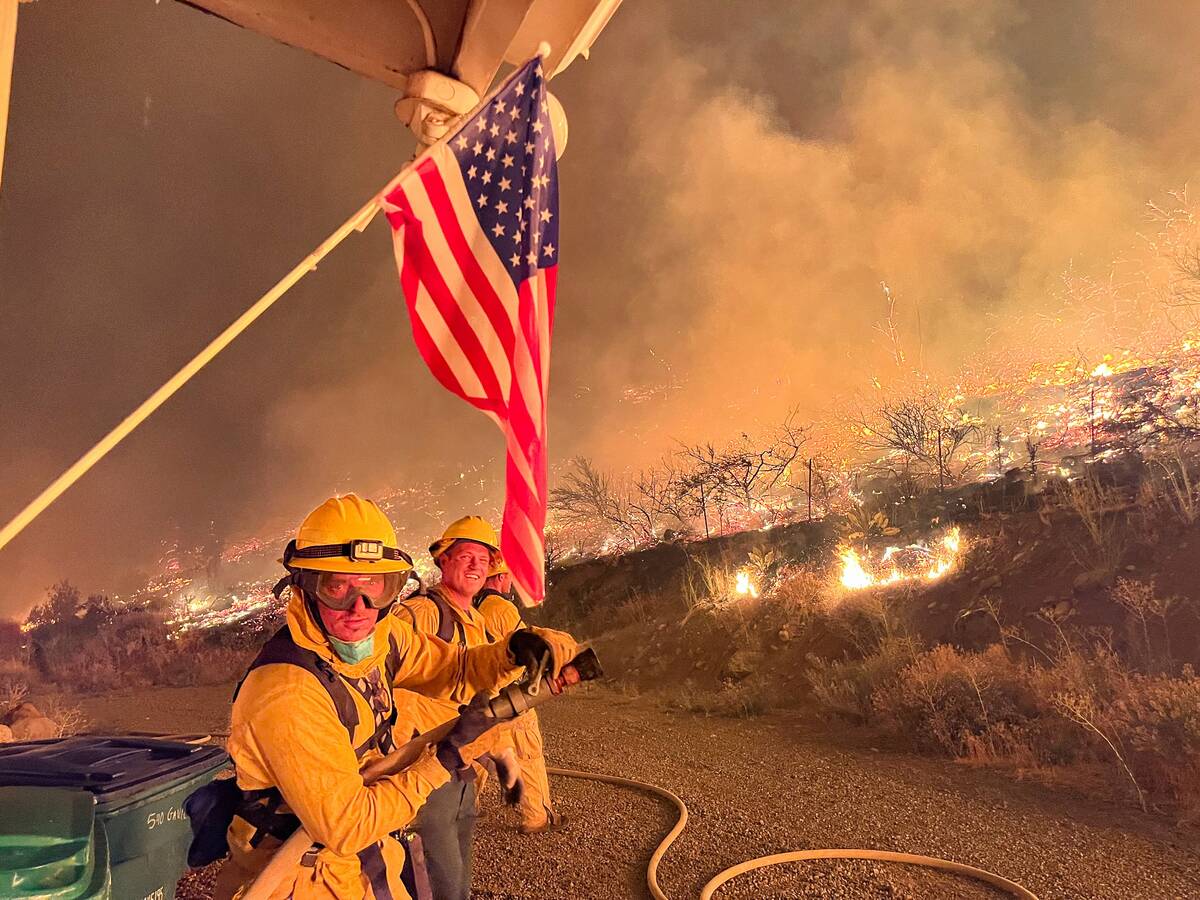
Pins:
x: 355, y: 652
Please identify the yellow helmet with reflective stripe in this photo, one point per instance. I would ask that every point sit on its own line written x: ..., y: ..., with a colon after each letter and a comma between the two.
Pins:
x: 347, y: 534
x: 468, y: 528
x: 499, y: 567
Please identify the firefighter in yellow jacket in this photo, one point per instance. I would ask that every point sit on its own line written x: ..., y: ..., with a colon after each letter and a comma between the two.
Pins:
x: 496, y: 602
x: 464, y: 554
x: 317, y: 705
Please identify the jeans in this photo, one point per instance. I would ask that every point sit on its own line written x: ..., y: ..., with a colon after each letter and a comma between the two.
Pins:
x: 446, y: 824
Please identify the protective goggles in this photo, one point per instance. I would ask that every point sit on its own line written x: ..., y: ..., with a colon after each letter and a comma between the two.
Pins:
x: 342, y: 590
x: 339, y: 590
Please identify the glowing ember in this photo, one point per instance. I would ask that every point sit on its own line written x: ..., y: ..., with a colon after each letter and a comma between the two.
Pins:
x: 952, y: 541
x: 744, y: 585
x: 911, y: 563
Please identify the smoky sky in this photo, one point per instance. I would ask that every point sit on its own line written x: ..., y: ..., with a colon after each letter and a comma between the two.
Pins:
x: 740, y: 178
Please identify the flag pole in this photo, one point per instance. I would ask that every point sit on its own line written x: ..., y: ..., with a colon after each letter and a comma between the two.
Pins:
x: 357, y: 222
x: 8, y: 46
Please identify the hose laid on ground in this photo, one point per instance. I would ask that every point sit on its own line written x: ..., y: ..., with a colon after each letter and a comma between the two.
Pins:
x: 665, y: 844
x: 707, y: 892
x: 725, y: 875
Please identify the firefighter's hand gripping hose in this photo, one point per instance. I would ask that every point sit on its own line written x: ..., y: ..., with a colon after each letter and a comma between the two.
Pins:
x: 725, y: 875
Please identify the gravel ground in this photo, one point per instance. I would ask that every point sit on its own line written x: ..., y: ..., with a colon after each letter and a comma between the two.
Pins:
x: 768, y: 785
x: 759, y: 786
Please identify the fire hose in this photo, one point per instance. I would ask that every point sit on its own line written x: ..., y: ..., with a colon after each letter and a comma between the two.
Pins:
x: 725, y: 875
x: 512, y: 701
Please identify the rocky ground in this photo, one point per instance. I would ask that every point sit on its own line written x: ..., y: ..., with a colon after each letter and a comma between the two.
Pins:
x: 765, y: 785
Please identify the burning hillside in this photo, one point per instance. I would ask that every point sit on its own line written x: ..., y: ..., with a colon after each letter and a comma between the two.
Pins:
x: 1048, y: 423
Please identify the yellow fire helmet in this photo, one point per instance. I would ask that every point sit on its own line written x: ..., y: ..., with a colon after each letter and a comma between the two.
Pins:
x: 468, y: 528
x: 347, y: 534
x: 499, y: 566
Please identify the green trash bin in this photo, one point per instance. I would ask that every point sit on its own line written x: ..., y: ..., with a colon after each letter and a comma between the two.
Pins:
x: 137, y: 785
x: 51, y: 847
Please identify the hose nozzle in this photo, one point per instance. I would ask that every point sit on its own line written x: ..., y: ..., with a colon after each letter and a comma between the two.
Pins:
x: 515, y: 699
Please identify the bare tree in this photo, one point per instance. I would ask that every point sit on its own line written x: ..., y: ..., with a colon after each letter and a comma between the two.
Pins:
x: 663, y: 494
x: 556, y: 549
x: 1031, y: 449
x: 587, y: 496
x: 1177, y: 243
x: 923, y: 431
x: 699, y: 486
x: 748, y: 474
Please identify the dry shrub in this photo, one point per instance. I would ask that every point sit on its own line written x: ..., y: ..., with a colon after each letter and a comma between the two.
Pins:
x: 137, y: 649
x: 710, y: 589
x: 198, y: 661
x: 1084, y: 706
x: 1161, y: 716
x: 871, y: 619
x: 965, y: 705
x: 15, y: 678
x: 1173, y: 485
x: 1149, y: 617
x: 634, y: 611
x: 1099, y: 507
x: 707, y: 586
x: 934, y: 699
x: 846, y: 686
x: 736, y: 701
x: 70, y: 719
x: 800, y: 593
x: 1147, y: 726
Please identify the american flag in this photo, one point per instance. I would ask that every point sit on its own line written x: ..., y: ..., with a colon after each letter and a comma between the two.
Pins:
x: 475, y: 227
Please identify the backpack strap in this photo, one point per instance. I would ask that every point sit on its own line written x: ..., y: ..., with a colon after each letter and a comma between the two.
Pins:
x: 477, y: 602
x: 448, y: 623
x: 282, y: 649
x: 391, y: 665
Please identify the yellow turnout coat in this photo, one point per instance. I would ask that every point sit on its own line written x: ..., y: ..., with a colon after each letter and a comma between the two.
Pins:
x: 287, y: 734
x: 420, y: 711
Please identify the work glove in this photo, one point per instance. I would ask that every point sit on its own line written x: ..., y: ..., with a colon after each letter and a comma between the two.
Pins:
x: 529, y: 645
x: 508, y: 773
x: 472, y: 722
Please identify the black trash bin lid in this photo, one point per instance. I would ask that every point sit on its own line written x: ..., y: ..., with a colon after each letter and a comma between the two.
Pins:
x: 115, y: 769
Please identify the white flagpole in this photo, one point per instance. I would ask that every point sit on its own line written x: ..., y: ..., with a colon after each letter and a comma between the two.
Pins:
x: 357, y: 222
x: 8, y: 44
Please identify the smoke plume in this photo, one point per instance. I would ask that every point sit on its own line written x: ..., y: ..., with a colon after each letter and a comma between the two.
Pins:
x: 741, y: 181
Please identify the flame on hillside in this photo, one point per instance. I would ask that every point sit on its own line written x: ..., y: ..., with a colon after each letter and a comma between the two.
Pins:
x: 914, y: 562
x: 745, y: 586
